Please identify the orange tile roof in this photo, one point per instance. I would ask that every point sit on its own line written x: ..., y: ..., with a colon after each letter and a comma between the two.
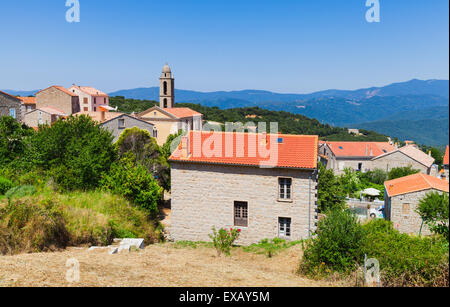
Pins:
x: 182, y: 112
x: 446, y: 156
x: 415, y: 183
x: 289, y: 151
x: 61, y: 88
x: 28, y: 100
x: 360, y: 149
x: 91, y: 91
x: 97, y: 116
x: 52, y: 111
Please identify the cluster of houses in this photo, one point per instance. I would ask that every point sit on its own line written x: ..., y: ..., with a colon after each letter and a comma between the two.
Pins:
x: 264, y: 184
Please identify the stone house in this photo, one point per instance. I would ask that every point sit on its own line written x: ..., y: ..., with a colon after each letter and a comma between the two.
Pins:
x: 166, y: 118
x: 91, y: 99
x: 118, y: 124
x: 402, y: 197
x: 354, y: 155
x: 11, y: 106
x: 403, y: 157
x: 59, y: 98
x: 42, y: 116
x: 231, y: 185
x: 29, y: 103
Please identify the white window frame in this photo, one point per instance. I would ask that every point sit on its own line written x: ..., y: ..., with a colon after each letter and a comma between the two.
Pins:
x: 287, y: 189
x: 13, y: 113
x: 284, y: 227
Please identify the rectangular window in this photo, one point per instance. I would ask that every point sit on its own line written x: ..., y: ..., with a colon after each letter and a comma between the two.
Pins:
x: 85, y: 100
x: 284, y: 227
x: 121, y: 123
x: 285, y: 185
x: 240, y: 214
x: 360, y: 167
x: 95, y: 100
x: 12, y: 113
x: 86, y: 109
x: 406, y: 208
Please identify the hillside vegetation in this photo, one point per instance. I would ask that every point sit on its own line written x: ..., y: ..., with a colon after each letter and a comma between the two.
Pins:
x: 288, y: 123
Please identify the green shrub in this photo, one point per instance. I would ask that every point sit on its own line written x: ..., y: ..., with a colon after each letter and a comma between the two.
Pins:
x: 405, y: 260
x: 5, y: 185
x: 336, y: 246
x: 224, y: 239
x: 434, y: 210
x: 20, y: 191
x: 135, y: 183
x: 400, y: 172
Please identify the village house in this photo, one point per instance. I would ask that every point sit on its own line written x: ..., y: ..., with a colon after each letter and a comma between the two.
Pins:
x: 58, y: 98
x: 121, y: 122
x: 91, y: 99
x: 234, y: 186
x: 11, y: 106
x: 42, y: 116
x: 29, y: 103
x: 354, y: 155
x: 406, y: 156
x: 402, y: 197
x: 166, y: 118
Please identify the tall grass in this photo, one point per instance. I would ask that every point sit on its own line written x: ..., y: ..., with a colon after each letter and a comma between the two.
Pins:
x: 51, y: 220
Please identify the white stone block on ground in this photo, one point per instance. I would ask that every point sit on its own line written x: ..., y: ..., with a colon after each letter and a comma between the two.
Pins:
x: 138, y: 243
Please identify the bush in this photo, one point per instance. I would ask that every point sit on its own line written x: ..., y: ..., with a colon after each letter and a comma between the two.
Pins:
x: 400, y: 172
x: 336, y: 247
x: 224, y: 239
x: 405, y: 260
x: 20, y: 191
x: 135, y: 183
x: 5, y: 185
x: 434, y: 210
x: 331, y: 194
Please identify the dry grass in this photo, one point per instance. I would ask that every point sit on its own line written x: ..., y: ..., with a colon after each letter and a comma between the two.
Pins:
x: 158, y: 265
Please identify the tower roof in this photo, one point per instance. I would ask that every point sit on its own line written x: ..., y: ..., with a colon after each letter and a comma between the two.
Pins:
x: 166, y: 69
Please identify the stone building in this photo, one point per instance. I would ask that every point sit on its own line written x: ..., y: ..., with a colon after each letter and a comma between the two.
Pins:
x: 402, y: 196
x: 118, y: 124
x: 219, y: 179
x: 58, y: 98
x: 403, y: 157
x: 29, y: 103
x: 11, y: 106
x: 91, y: 99
x: 354, y: 155
x: 166, y: 118
x: 445, y: 171
x: 42, y: 116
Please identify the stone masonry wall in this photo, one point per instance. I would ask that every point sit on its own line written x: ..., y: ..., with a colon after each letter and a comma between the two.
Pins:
x: 403, y: 213
x: 398, y: 159
x: 113, y: 126
x: 203, y: 196
x: 7, y: 103
x: 59, y: 100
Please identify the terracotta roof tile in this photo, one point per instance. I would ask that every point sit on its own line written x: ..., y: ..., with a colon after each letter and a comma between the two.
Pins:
x: 91, y: 91
x: 182, y: 112
x: 61, y: 88
x: 28, y: 100
x: 415, y: 183
x: 289, y: 151
x: 360, y: 149
x: 446, y: 156
x: 97, y: 116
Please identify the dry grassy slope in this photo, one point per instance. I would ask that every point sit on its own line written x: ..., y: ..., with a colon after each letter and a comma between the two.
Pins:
x: 158, y: 265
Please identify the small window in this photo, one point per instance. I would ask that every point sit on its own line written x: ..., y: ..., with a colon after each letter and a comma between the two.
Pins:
x: 121, y: 123
x: 85, y: 109
x: 241, y: 214
x: 280, y: 140
x: 12, y: 113
x: 284, y: 227
x: 85, y: 100
x: 95, y: 109
x: 285, y: 185
x: 406, y: 209
x: 155, y: 133
x: 95, y: 100
x: 360, y: 166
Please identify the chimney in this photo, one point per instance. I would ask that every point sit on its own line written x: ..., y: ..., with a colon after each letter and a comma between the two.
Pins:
x: 185, y: 147
x: 102, y: 116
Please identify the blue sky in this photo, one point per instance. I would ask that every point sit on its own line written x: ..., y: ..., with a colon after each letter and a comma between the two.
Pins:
x: 293, y: 46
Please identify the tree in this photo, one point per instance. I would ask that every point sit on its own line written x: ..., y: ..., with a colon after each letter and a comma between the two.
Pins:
x: 400, y: 172
x: 12, y: 143
x: 434, y: 210
x: 331, y: 194
x: 350, y: 182
x: 435, y: 153
x: 146, y: 152
x: 75, y: 151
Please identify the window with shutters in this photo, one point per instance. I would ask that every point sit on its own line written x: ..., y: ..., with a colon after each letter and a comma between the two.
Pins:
x: 406, y: 209
x: 284, y: 227
x: 285, y: 188
x: 240, y: 214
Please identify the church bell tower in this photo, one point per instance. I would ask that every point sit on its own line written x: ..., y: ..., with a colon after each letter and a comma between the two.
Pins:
x: 166, y: 88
